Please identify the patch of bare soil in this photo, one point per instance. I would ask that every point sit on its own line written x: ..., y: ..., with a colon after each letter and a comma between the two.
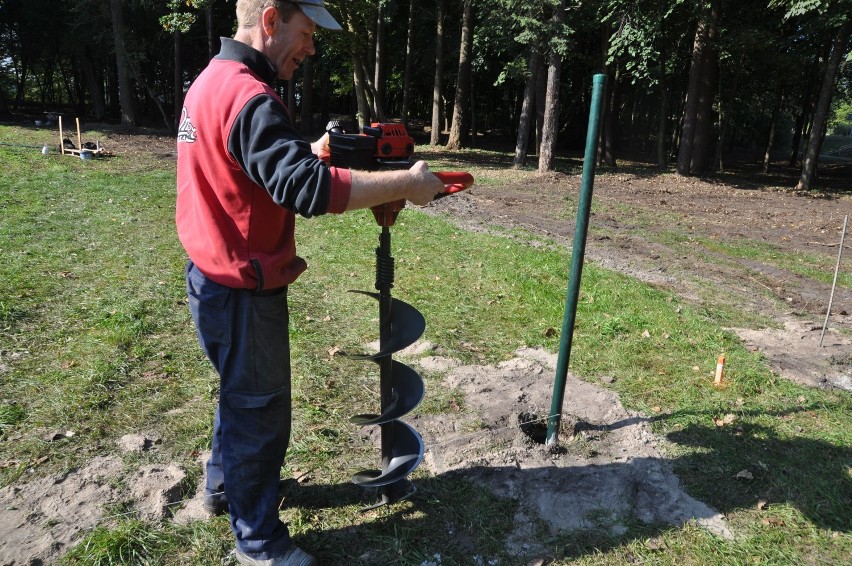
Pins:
x: 42, y: 519
x: 606, y: 470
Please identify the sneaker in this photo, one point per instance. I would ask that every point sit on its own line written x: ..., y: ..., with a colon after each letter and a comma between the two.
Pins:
x: 295, y: 556
x: 215, y: 505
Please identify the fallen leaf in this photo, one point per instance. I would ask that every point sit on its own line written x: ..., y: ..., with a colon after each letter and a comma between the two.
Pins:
x: 761, y: 505
x: 657, y: 409
x: 696, y: 368
x: 655, y: 544
x: 333, y: 351
x: 326, y: 318
x: 744, y: 475
x: 550, y: 332
x: 773, y: 521
x: 646, y: 334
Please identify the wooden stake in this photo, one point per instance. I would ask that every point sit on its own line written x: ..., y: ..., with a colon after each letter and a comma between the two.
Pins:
x: 79, y: 137
x: 720, y: 370
x: 61, y: 141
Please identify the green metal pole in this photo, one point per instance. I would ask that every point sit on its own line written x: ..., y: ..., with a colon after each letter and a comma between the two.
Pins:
x: 579, y: 250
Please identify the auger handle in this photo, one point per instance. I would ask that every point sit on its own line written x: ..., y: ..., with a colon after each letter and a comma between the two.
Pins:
x: 454, y: 182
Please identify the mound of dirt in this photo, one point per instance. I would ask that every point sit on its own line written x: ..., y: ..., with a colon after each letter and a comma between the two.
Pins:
x: 607, y: 468
x: 42, y: 519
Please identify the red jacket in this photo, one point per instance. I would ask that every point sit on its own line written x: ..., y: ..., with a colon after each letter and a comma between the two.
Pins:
x: 243, y: 172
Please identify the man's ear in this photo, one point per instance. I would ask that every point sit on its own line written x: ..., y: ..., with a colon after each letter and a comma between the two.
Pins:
x: 269, y: 19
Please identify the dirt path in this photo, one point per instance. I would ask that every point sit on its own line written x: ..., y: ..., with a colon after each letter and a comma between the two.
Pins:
x: 681, y: 234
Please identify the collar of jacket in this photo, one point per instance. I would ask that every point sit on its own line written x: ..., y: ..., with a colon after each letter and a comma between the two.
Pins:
x: 257, y: 62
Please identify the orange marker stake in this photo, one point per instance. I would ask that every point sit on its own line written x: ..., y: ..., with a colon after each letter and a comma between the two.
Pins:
x: 720, y: 371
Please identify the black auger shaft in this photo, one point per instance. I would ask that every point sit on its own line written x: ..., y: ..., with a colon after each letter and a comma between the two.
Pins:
x: 401, y: 388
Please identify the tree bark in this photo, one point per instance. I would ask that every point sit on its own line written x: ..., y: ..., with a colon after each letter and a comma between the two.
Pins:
x: 811, y: 158
x: 804, y: 116
x: 409, y: 62
x: 95, y: 86
x: 291, y: 100
x: 607, y: 134
x: 527, y: 120
x: 306, y: 111
x: 702, y: 144
x: 360, y: 81
x: 690, y: 110
x: 551, y: 106
x: 178, y: 84
x: 662, y: 157
x: 461, y: 106
x: 125, y: 93
x: 776, y: 111
x: 435, y: 137
x: 208, y: 17
x: 380, y: 66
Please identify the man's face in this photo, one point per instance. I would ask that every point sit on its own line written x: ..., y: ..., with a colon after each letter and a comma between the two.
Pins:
x: 290, y: 43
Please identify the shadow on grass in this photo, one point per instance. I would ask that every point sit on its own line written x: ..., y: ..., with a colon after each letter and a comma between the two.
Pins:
x: 456, y: 515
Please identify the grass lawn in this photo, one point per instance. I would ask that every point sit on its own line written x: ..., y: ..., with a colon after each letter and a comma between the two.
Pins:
x: 96, y: 338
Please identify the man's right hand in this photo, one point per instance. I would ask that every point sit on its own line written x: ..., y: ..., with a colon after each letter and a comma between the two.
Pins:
x: 424, y: 185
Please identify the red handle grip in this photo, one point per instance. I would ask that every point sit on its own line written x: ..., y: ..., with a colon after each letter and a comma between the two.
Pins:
x: 454, y: 181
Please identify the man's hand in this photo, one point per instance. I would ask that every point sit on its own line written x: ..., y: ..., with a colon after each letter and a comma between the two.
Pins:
x: 372, y: 188
x: 424, y: 185
x: 321, y: 149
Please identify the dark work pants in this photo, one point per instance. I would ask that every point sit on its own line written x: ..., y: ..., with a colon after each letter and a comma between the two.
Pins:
x: 245, y: 335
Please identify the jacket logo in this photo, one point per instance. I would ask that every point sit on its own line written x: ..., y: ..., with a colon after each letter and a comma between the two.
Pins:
x: 186, y: 131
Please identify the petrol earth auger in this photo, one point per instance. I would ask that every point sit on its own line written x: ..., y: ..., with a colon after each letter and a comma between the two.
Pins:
x: 400, y: 324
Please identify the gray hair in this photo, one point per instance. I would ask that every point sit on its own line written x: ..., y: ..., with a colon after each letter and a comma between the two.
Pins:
x: 249, y: 11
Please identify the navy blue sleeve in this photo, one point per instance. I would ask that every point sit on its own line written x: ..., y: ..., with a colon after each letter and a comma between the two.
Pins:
x: 275, y: 156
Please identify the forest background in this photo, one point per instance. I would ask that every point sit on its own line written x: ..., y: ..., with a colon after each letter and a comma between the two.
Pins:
x: 690, y: 83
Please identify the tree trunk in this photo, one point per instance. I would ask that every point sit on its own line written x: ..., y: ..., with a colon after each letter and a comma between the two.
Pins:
x: 95, y: 85
x: 291, y: 100
x: 526, y: 120
x: 776, y: 111
x: 306, y: 111
x: 540, y: 98
x: 435, y: 137
x: 662, y: 156
x: 811, y: 158
x: 409, y: 62
x: 461, y: 106
x: 125, y: 94
x: 379, y: 69
x: 178, y: 84
x: 607, y: 134
x: 360, y: 81
x: 690, y: 110
x: 804, y: 116
x: 208, y: 17
x: 702, y: 144
x: 551, y: 106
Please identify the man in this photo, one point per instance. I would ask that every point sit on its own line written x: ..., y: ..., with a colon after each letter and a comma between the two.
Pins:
x: 243, y: 174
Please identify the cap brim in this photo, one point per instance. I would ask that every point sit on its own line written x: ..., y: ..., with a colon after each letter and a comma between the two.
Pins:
x: 320, y: 16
